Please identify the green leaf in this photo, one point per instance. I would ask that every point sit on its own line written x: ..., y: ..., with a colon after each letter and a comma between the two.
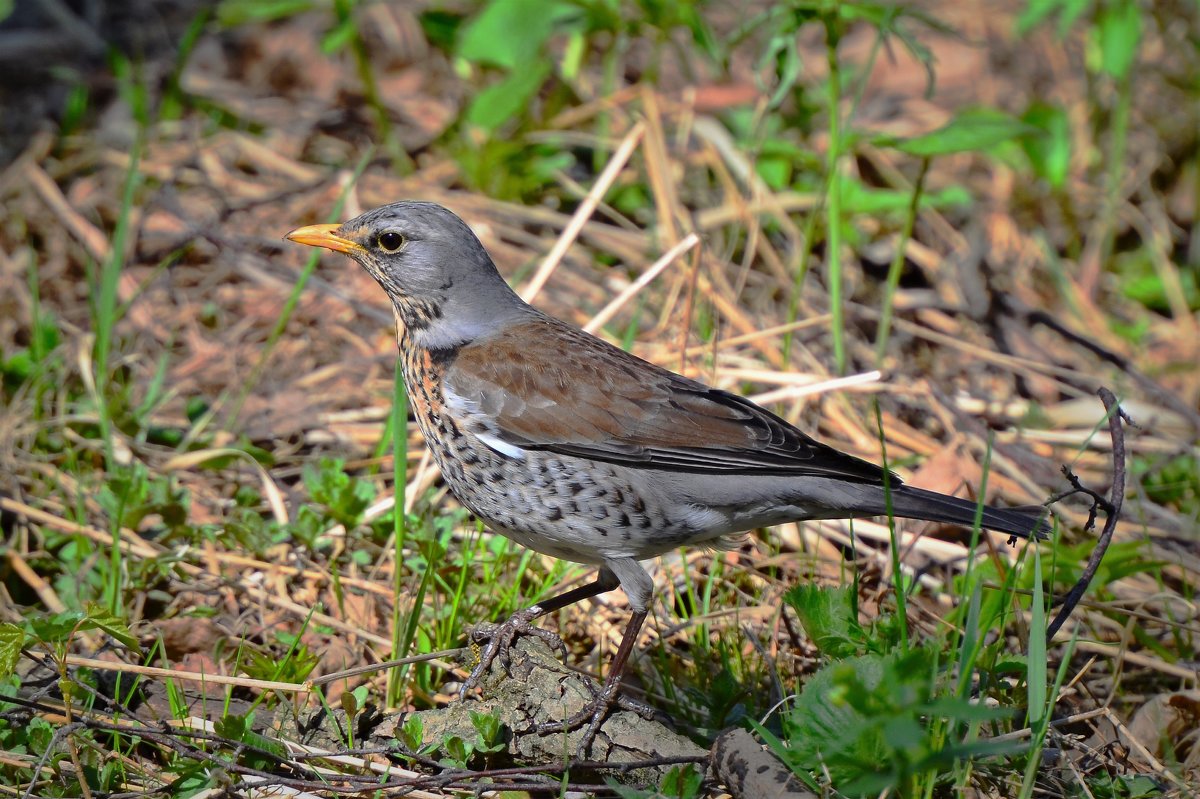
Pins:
x: 870, y: 722
x: 231, y: 13
x: 681, y: 782
x: 1037, y: 11
x: 46, y: 333
x: 488, y: 726
x: 502, y: 101
x: 234, y: 727
x: 1036, y: 681
x: 827, y: 616
x: 350, y: 704
x: 573, y: 55
x: 193, y: 779
x: 825, y: 729
x: 240, y: 728
x: 1171, y: 480
x: 860, y: 199
x: 958, y: 709
x: 412, y: 733
x: 971, y: 130
x: 901, y: 732
x: 788, y: 65
x: 340, y: 36
x: 195, y: 407
x: 12, y: 639
x: 269, y: 745
x: 1119, y: 34
x: 346, y: 497
x: 57, y: 628
x: 441, y: 27
x: 99, y: 617
x: 40, y: 735
x: 294, y: 668
x: 18, y: 367
x: 510, y: 33
x: 457, y: 750
x: 1103, y: 785
x: 1049, y: 153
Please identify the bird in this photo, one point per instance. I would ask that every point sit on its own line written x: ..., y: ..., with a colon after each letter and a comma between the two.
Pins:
x: 577, y: 449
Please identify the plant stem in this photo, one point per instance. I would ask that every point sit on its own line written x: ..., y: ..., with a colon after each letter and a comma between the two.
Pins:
x: 400, y: 644
x: 897, y: 264
x: 833, y: 203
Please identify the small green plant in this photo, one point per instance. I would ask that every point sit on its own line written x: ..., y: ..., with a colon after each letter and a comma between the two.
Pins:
x: 880, y: 715
x: 54, y: 633
x: 293, y: 667
x: 411, y: 739
x: 489, y: 732
x: 1173, y: 481
x: 34, y: 361
x: 33, y: 737
x: 1115, y: 34
x: 455, y: 751
x: 353, y: 702
x: 681, y: 782
x: 1120, y: 786
x: 256, y: 751
x: 343, y: 497
x: 132, y: 494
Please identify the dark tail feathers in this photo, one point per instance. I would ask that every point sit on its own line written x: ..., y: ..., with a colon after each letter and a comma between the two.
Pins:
x: 917, y: 503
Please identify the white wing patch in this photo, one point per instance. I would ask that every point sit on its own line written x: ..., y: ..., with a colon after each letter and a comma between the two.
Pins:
x: 501, y: 446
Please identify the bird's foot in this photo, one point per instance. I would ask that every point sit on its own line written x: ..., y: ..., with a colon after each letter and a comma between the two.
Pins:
x: 500, y: 638
x: 593, y: 714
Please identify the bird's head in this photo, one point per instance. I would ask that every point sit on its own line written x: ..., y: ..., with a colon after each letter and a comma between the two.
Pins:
x: 440, y: 279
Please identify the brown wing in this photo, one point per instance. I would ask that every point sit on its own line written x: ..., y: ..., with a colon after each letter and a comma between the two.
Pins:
x: 546, y: 386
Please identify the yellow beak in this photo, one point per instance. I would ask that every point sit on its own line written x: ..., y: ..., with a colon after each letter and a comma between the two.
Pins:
x: 324, y: 236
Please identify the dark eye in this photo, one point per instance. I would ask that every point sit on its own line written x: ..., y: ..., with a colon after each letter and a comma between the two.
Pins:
x: 390, y: 241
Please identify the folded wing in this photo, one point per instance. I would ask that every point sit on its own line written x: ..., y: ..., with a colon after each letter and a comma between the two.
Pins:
x: 569, y: 393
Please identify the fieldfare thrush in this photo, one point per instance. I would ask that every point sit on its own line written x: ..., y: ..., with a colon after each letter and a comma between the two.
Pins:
x: 579, y: 450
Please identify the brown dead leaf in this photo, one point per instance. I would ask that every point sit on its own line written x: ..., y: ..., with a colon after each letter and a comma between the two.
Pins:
x: 1169, y: 717
x: 947, y: 471
x: 188, y: 635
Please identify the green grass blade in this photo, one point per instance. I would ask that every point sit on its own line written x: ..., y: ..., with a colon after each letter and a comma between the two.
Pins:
x: 833, y: 202
x: 399, y: 425
x: 897, y: 265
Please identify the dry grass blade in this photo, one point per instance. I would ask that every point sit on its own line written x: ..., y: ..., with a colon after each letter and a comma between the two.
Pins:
x: 586, y: 208
x: 609, y: 311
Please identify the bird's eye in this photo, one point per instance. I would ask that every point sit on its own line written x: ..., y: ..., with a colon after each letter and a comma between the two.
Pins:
x: 390, y: 241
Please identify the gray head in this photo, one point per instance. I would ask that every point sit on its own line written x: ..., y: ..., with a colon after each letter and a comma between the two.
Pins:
x: 441, y: 281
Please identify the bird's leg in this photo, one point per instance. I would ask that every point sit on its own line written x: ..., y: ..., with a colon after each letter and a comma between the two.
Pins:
x: 500, y: 637
x: 603, y: 701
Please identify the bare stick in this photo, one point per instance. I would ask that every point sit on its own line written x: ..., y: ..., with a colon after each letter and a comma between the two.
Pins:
x: 1110, y: 506
x: 584, y: 212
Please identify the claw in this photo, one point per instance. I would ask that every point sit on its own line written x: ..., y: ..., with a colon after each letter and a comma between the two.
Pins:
x: 593, y: 714
x: 603, y: 699
x: 500, y: 638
